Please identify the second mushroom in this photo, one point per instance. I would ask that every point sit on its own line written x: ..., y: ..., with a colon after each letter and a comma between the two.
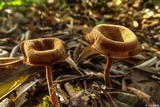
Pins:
x: 44, y: 52
x: 114, y: 41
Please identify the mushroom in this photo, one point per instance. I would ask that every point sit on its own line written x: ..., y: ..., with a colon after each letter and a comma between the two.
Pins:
x: 115, y: 42
x: 44, y: 52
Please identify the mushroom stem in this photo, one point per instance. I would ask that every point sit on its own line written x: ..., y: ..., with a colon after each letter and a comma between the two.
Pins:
x: 106, y: 71
x: 50, y: 84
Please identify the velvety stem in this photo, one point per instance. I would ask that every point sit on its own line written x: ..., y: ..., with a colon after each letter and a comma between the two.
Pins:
x: 50, y: 85
x: 106, y: 71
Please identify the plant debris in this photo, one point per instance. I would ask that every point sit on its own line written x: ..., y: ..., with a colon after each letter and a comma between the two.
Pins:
x: 78, y: 81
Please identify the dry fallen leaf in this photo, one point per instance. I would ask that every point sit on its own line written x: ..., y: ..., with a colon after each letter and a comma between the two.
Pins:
x: 141, y: 95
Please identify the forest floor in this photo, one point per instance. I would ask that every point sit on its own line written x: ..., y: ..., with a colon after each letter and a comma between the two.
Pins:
x: 135, y: 81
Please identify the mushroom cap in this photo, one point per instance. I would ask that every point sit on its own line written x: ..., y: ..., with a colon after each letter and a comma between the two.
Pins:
x: 43, y: 51
x: 114, y: 41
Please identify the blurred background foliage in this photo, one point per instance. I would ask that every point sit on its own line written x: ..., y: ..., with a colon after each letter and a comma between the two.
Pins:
x: 22, y: 4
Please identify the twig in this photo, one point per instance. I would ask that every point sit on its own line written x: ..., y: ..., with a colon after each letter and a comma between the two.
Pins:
x: 87, y: 77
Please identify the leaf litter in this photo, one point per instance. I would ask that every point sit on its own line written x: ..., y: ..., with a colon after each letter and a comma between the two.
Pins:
x: 79, y: 79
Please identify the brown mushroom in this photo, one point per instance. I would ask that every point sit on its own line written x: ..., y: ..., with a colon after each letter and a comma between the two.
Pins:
x: 114, y: 41
x: 44, y: 52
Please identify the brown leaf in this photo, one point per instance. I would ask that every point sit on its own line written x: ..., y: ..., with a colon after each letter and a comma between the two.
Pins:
x: 141, y: 80
x: 83, y: 28
x: 7, y: 103
x: 76, y: 100
x: 141, y: 95
x: 88, y: 52
x: 99, y: 99
x: 124, y: 99
x: 11, y: 68
x: 70, y: 89
x: 77, y: 52
x: 149, y: 23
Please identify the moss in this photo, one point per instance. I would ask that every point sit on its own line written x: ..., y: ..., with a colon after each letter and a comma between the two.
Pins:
x: 46, y: 102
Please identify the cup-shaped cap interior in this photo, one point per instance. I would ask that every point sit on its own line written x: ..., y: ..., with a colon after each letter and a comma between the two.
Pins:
x: 114, y: 41
x: 43, y: 51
